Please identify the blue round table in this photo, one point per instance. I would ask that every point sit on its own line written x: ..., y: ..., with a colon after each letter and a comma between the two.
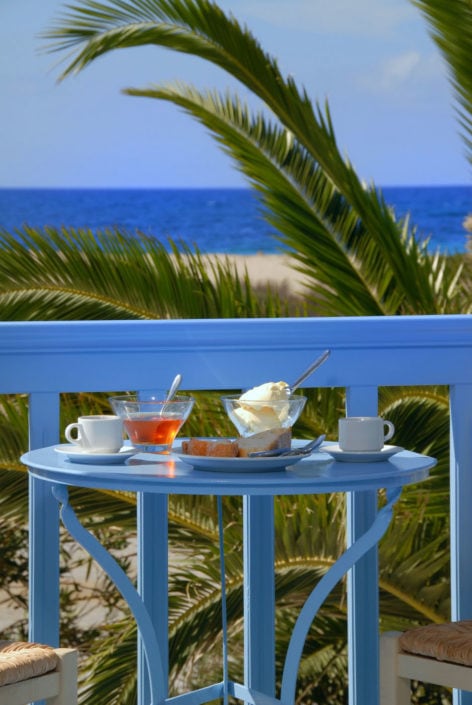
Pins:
x: 154, y: 482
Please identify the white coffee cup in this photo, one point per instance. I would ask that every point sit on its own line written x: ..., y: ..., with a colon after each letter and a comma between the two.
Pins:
x: 102, y: 433
x: 364, y: 433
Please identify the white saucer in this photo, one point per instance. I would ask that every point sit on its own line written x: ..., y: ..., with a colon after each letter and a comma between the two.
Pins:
x: 375, y: 456
x: 77, y: 455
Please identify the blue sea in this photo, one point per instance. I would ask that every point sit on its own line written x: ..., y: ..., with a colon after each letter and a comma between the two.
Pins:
x: 218, y: 220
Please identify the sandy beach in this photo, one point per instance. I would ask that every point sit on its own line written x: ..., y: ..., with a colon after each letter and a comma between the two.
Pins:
x: 264, y: 268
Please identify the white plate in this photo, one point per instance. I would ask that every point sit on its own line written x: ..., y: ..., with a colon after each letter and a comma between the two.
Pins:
x: 205, y: 462
x: 345, y: 456
x: 77, y: 455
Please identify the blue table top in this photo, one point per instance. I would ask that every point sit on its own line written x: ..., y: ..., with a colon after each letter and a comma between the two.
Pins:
x: 314, y: 475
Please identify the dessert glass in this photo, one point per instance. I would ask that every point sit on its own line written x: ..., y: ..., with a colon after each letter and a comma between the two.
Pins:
x: 251, y: 417
x: 152, y: 423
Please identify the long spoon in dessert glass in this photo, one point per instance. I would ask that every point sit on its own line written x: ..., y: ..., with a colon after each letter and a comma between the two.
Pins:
x: 173, y: 387
x: 171, y: 393
x: 309, y: 370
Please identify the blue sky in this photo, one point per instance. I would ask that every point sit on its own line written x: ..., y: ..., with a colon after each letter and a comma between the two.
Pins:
x: 372, y: 60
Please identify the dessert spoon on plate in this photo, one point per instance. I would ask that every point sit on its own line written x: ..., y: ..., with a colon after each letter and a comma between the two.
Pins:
x: 285, y: 452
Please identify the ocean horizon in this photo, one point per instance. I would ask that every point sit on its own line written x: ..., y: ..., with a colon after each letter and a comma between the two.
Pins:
x: 218, y: 220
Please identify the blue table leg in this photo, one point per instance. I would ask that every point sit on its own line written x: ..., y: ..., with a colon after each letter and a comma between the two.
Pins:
x: 224, y: 611
x: 124, y: 585
x: 153, y: 584
x: 259, y: 594
x: 349, y: 558
x: 363, y: 604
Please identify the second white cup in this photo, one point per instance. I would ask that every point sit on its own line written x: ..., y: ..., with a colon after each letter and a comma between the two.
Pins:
x: 364, y: 433
x: 102, y: 433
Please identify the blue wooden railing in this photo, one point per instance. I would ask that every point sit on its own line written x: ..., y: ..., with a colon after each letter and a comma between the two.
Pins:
x: 46, y: 359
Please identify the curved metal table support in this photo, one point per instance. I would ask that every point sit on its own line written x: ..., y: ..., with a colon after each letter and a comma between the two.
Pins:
x: 117, y: 575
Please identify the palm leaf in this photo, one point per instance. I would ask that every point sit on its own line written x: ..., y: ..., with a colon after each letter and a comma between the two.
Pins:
x: 115, y: 684
x: 76, y: 274
x: 450, y: 26
x: 201, y: 28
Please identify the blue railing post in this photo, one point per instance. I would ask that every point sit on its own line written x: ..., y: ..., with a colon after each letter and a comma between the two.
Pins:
x: 363, y: 599
x: 461, y: 516
x: 43, y: 528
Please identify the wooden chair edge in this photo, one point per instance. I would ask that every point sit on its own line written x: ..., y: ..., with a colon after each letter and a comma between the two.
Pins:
x: 398, y: 668
x: 58, y: 687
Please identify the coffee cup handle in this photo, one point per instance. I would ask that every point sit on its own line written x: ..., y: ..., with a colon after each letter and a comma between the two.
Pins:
x: 391, y: 430
x: 77, y: 440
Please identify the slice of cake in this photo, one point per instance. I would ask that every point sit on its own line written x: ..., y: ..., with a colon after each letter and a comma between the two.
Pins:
x: 213, y: 448
x: 272, y: 439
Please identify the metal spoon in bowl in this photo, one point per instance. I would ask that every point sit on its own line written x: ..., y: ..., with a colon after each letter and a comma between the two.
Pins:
x: 309, y: 370
x: 174, y: 387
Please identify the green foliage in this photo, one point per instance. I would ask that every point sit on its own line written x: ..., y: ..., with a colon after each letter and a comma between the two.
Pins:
x: 342, y: 235
x: 76, y: 274
x: 450, y: 26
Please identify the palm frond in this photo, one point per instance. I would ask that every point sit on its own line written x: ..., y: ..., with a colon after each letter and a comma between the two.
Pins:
x: 327, y: 238
x: 300, y: 201
x: 115, y: 684
x: 412, y: 575
x: 73, y: 274
x: 201, y: 28
x: 450, y: 25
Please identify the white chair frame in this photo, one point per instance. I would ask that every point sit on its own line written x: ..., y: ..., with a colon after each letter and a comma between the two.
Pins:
x: 58, y: 687
x: 398, y: 668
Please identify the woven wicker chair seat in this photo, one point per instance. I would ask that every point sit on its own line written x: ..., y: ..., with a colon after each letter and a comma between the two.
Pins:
x: 21, y: 660
x: 451, y: 641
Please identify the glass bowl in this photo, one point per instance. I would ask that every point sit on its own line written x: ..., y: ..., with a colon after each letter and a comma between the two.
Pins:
x: 254, y: 416
x: 151, y: 422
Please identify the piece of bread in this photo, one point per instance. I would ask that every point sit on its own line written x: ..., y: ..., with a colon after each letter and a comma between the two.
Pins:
x: 265, y: 440
x: 223, y: 449
x: 242, y: 447
x: 214, y: 448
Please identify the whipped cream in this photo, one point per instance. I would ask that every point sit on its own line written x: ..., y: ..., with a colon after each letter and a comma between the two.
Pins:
x: 270, y: 391
x: 267, y: 406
